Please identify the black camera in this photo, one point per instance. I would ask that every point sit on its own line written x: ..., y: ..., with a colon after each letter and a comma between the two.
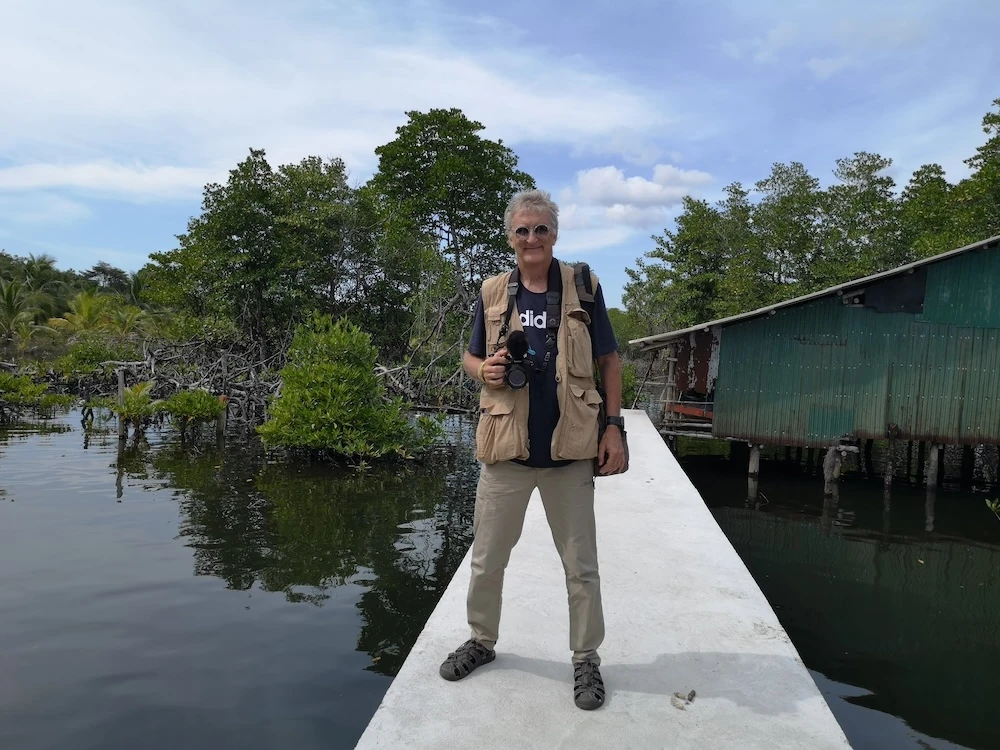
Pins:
x: 516, y: 370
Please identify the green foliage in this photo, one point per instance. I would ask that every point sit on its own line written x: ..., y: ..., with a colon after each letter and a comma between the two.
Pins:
x: 627, y: 326
x: 630, y: 384
x: 994, y: 505
x: 331, y: 399
x: 20, y: 390
x: 89, y: 351
x: 195, y: 406
x: 50, y: 401
x: 272, y: 246
x: 138, y: 405
x: 456, y: 185
x: 797, y: 238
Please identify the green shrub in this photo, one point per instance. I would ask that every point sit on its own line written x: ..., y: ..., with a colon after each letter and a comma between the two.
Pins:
x: 20, y: 390
x: 630, y: 384
x: 332, y: 401
x: 86, y: 355
x: 138, y: 405
x: 186, y: 407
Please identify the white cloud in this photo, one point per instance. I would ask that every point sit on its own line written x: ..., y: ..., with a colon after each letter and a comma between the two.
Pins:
x: 828, y: 38
x: 188, y: 91
x: 608, y: 186
x: 825, y: 67
x: 642, y: 218
x: 40, y: 208
x: 591, y: 240
x: 766, y: 49
x: 105, y: 177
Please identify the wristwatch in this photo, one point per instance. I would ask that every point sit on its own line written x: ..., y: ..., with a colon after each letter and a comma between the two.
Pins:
x: 618, y: 422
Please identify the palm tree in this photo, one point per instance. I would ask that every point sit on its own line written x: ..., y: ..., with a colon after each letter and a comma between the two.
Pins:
x: 88, y: 311
x: 18, y: 305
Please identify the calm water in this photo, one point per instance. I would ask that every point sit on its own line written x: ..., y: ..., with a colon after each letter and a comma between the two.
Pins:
x: 188, y: 597
x: 177, y: 596
x: 897, y: 615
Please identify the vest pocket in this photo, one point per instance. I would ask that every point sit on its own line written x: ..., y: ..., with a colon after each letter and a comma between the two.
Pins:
x: 499, y: 435
x: 579, y: 438
x: 581, y: 353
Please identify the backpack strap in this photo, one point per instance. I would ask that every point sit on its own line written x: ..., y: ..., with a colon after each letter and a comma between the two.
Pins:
x: 584, y: 288
x: 513, y: 283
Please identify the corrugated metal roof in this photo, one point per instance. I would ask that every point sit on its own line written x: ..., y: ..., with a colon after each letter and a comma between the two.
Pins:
x: 663, y: 339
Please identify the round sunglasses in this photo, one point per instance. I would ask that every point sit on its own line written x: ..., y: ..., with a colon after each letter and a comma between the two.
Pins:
x: 542, y: 230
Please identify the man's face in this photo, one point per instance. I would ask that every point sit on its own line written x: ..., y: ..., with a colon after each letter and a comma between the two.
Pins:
x: 531, y: 237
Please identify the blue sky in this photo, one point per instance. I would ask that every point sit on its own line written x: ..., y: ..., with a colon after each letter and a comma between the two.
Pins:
x: 115, y: 115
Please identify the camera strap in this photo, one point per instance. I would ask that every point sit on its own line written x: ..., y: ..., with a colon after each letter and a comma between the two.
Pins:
x: 553, y: 309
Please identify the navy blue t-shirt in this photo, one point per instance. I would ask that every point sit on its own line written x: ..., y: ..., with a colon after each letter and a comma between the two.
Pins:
x: 543, y: 403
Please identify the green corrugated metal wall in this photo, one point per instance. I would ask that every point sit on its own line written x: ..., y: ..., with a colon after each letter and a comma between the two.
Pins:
x: 814, y: 373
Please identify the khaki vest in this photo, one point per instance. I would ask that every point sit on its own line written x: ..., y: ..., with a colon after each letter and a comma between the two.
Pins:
x: 502, y: 433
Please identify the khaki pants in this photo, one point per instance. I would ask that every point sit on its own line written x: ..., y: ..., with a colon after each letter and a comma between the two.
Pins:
x: 568, y: 498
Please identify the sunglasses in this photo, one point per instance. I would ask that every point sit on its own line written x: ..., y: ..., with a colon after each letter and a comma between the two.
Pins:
x: 542, y: 230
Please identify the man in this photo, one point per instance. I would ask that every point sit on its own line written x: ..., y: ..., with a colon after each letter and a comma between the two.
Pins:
x: 543, y: 435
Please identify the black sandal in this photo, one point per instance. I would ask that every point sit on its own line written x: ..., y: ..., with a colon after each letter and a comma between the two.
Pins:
x: 588, y: 687
x: 463, y: 660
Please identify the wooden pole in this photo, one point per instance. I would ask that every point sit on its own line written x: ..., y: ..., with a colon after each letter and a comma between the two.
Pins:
x: 909, y: 460
x: 220, y: 420
x: 933, y: 467
x: 890, y: 460
x: 121, y: 402
x: 831, y: 470
x: 754, y: 473
x: 810, y: 461
x: 869, y: 464
x: 921, y: 459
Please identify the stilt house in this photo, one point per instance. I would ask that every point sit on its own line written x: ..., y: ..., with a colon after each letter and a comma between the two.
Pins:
x: 912, y: 353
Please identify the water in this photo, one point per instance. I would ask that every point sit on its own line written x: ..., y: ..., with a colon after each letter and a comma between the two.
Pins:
x: 177, y: 596
x: 896, y: 615
x: 186, y: 596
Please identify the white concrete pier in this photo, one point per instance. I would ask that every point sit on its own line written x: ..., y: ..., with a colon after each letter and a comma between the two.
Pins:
x: 682, y: 613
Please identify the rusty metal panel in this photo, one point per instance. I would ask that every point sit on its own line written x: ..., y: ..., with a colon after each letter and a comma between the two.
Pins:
x: 696, y: 353
x: 964, y: 291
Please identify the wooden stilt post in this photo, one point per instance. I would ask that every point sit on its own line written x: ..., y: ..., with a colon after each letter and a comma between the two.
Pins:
x: 831, y: 470
x: 798, y: 460
x: 869, y: 464
x: 121, y: 402
x: 921, y: 460
x: 909, y: 459
x: 754, y: 473
x: 890, y: 466
x: 810, y: 461
x: 929, y: 507
x: 933, y: 467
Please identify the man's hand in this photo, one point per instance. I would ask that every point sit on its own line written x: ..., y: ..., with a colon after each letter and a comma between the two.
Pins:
x: 611, y: 451
x: 494, y: 368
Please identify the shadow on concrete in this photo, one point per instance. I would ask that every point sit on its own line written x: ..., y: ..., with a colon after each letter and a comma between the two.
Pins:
x: 765, y: 683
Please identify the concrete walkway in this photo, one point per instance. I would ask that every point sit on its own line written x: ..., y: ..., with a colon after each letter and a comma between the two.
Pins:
x: 682, y: 613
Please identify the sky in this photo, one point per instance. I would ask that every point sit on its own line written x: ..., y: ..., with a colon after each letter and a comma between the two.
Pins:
x: 115, y: 115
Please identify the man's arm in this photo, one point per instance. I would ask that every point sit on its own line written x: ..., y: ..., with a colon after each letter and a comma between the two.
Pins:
x: 487, y: 370
x: 611, y: 376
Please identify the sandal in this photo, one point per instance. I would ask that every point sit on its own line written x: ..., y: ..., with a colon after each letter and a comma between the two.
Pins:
x: 588, y: 687
x: 463, y: 660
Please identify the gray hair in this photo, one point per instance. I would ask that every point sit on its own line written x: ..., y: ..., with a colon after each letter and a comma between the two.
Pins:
x: 532, y: 200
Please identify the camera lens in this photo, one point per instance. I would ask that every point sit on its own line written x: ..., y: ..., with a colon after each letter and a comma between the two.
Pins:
x: 516, y: 377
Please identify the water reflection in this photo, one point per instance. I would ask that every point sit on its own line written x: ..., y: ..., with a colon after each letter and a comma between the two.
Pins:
x: 166, y: 595
x: 398, y: 533
x: 902, y: 604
